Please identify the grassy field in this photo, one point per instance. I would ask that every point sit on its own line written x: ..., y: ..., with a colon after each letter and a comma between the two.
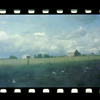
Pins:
x: 83, y: 71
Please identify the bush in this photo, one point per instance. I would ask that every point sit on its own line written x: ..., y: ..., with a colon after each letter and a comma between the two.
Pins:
x: 46, y: 56
x: 39, y: 55
x: 12, y: 57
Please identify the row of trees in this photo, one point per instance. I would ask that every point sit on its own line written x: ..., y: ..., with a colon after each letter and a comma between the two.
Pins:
x: 12, y: 57
x: 42, y: 56
x: 77, y: 53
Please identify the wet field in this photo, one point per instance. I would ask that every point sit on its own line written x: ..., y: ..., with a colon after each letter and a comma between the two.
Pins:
x: 83, y: 71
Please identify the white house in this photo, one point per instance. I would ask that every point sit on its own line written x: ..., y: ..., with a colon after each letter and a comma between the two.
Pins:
x: 26, y: 56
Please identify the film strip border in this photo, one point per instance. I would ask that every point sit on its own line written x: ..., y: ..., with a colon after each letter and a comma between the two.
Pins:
x: 49, y: 11
x: 50, y: 90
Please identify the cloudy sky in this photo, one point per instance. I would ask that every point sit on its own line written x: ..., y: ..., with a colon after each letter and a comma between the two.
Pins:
x: 52, y: 34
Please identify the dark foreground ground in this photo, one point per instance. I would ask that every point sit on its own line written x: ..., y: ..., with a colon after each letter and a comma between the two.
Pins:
x: 77, y: 74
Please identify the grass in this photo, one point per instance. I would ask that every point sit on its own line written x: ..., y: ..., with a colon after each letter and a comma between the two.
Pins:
x: 83, y: 71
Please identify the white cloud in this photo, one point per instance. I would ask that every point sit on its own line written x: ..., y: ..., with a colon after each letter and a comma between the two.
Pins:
x: 53, y: 48
x: 16, y: 40
x: 92, y: 50
x: 3, y: 35
x: 55, y: 44
x: 27, y: 42
x: 84, y: 40
x: 96, y: 40
x: 80, y: 29
x: 39, y: 34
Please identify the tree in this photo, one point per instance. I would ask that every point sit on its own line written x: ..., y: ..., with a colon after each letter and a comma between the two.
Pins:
x: 83, y: 54
x: 92, y: 53
x: 39, y: 55
x: 46, y: 56
x: 77, y: 53
x: 35, y: 56
x: 51, y: 56
x: 12, y: 57
x: 99, y: 52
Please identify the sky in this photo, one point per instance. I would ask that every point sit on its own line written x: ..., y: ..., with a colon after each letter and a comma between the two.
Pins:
x: 55, y: 35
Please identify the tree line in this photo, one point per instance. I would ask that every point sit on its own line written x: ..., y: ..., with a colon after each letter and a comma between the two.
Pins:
x: 43, y: 56
x: 77, y: 53
x: 35, y: 56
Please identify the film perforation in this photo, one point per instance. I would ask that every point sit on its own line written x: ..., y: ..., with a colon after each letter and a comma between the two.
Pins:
x: 2, y: 11
x: 88, y: 10
x: 60, y: 90
x: 88, y: 90
x: 74, y: 90
x: 31, y: 91
x: 3, y: 90
x: 45, y: 11
x: 17, y: 90
x: 31, y: 11
x: 59, y: 11
x: 46, y: 90
x: 17, y: 11
x: 74, y: 11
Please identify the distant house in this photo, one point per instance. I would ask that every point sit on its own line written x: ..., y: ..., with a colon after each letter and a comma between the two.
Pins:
x: 76, y: 53
x: 26, y: 56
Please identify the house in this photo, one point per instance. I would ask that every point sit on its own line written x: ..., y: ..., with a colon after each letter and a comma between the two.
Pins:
x: 26, y: 56
x: 76, y: 53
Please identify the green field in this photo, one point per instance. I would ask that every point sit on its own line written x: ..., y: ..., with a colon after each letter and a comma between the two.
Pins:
x: 82, y: 71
